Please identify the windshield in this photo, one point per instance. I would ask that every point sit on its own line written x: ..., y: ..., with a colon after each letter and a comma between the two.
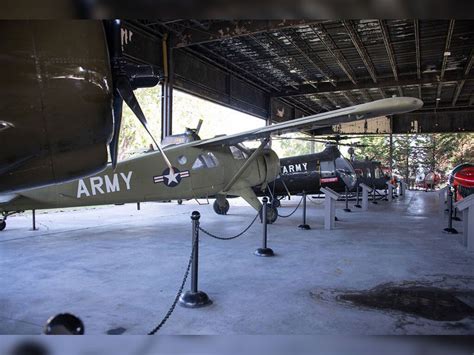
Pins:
x: 346, y: 172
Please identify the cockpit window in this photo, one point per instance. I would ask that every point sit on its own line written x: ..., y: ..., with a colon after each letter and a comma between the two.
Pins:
x: 207, y: 160
x: 238, y: 153
x: 342, y: 165
x: 346, y: 172
x: 327, y: 168
x: 378, y: 173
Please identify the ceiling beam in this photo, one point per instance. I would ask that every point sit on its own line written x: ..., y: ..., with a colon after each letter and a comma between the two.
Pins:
x: 223, y: 30
x: 332, y: 100
x: 325, y: 40
x: 427, y: 78
x: 447, y: 45
x: 285, y: 63
x: 359, y: 46
x: 460, y: 86
x: 315, y: 65
x: 388, y: 47
x: 416, y: 24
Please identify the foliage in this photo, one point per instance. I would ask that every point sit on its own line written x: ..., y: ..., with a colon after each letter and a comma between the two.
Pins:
x: 423, y: 152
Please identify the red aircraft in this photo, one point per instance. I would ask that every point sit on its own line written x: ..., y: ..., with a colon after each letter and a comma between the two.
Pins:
x: 462, y: 178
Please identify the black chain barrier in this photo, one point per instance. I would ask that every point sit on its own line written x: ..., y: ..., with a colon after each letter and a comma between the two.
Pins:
x: 235, y: 236
x: 292, y: 213
x: 180, y: 291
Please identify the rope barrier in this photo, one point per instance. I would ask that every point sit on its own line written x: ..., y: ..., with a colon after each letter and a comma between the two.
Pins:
x: 180, y: 291
x: 235, y: 236
x: 292, y: 213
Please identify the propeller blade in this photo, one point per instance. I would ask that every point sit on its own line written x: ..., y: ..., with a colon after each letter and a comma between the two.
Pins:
x: 117, y: 113
x: 126, y: 92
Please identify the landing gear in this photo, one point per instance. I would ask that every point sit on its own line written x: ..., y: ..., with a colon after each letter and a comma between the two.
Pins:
x: 221, y: 206
x: 3, y: 224
x: 272, y: 214
x: 276, y: 202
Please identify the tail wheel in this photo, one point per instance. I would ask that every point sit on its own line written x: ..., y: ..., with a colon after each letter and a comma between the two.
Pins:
x: 221, y: 206
x: 3, y: 225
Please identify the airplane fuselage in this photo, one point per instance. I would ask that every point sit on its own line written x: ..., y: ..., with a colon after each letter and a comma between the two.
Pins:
x: 197, y: 173
x: 308, y: 173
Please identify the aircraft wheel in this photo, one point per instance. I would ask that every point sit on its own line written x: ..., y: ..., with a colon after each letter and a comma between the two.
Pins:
x: 222, y: 207
x: 180, y: 202
x: 272, y: 214
x: 3, y: 225
x: 276, y: 203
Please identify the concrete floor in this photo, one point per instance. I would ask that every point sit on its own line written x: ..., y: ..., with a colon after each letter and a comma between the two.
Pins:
x: 117, y: 267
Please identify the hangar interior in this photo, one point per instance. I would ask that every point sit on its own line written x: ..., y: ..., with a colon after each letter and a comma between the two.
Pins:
x: 281, y: 70
x: 386, y: 268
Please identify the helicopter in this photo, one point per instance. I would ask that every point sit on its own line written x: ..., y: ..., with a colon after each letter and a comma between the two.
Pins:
x: 306, y: 174
x: 369, y: 171
x: 198, y: 169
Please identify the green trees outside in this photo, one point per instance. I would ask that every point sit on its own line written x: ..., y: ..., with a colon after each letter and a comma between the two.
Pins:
x: 417, y: 154
x: 412, y: 154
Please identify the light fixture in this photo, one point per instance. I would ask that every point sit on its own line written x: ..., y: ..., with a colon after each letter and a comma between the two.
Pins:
x: 438, y: 99
x: 447, y: 53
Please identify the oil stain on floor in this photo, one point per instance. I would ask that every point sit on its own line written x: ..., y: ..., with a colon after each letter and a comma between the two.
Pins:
x: 428, y: 302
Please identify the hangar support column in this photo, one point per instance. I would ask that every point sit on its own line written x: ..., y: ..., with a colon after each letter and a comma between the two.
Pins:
x: 167, y: 88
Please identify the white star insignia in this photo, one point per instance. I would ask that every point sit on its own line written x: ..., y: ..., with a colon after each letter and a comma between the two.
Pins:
x: 171, y: 177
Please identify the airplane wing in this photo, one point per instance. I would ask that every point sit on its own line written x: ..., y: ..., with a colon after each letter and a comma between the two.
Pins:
x: 7, y: 198
x: 372, y: 109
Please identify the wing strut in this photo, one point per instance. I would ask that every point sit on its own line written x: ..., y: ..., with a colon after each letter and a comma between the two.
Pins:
x: 244, y: 167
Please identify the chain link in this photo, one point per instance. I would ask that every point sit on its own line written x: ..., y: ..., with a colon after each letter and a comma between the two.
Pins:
x: 180, y: 291
x: 292, y: 213
x: 235, y: 236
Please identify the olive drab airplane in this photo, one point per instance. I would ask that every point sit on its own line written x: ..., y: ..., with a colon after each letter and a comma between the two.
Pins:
x: 63, y: 87
x: 198, y: 169
x: 306, y: 173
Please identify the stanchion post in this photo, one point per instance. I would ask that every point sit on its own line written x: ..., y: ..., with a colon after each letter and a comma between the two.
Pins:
x: 304, y: 226
x: 357, y: 205
x: 455, y: 210
x: 138, y: 206
x: 194, y: 298
x: 347, y: 209
x: 264, y: 250
x: 33, y: 214
x: 373, y: 195
x: 450, y: 228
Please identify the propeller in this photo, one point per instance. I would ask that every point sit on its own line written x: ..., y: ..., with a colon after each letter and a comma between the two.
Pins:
x: 123, y: 91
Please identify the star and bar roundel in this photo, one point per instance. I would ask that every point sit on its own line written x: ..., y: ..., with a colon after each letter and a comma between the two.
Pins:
x: 171, y: 179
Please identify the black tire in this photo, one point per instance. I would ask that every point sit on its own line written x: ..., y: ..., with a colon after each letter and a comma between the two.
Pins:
x: 180, y: 202
x: 221, y: 209
x: 3, y: 225
x: 272, y: 214
x: 276, y: 203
